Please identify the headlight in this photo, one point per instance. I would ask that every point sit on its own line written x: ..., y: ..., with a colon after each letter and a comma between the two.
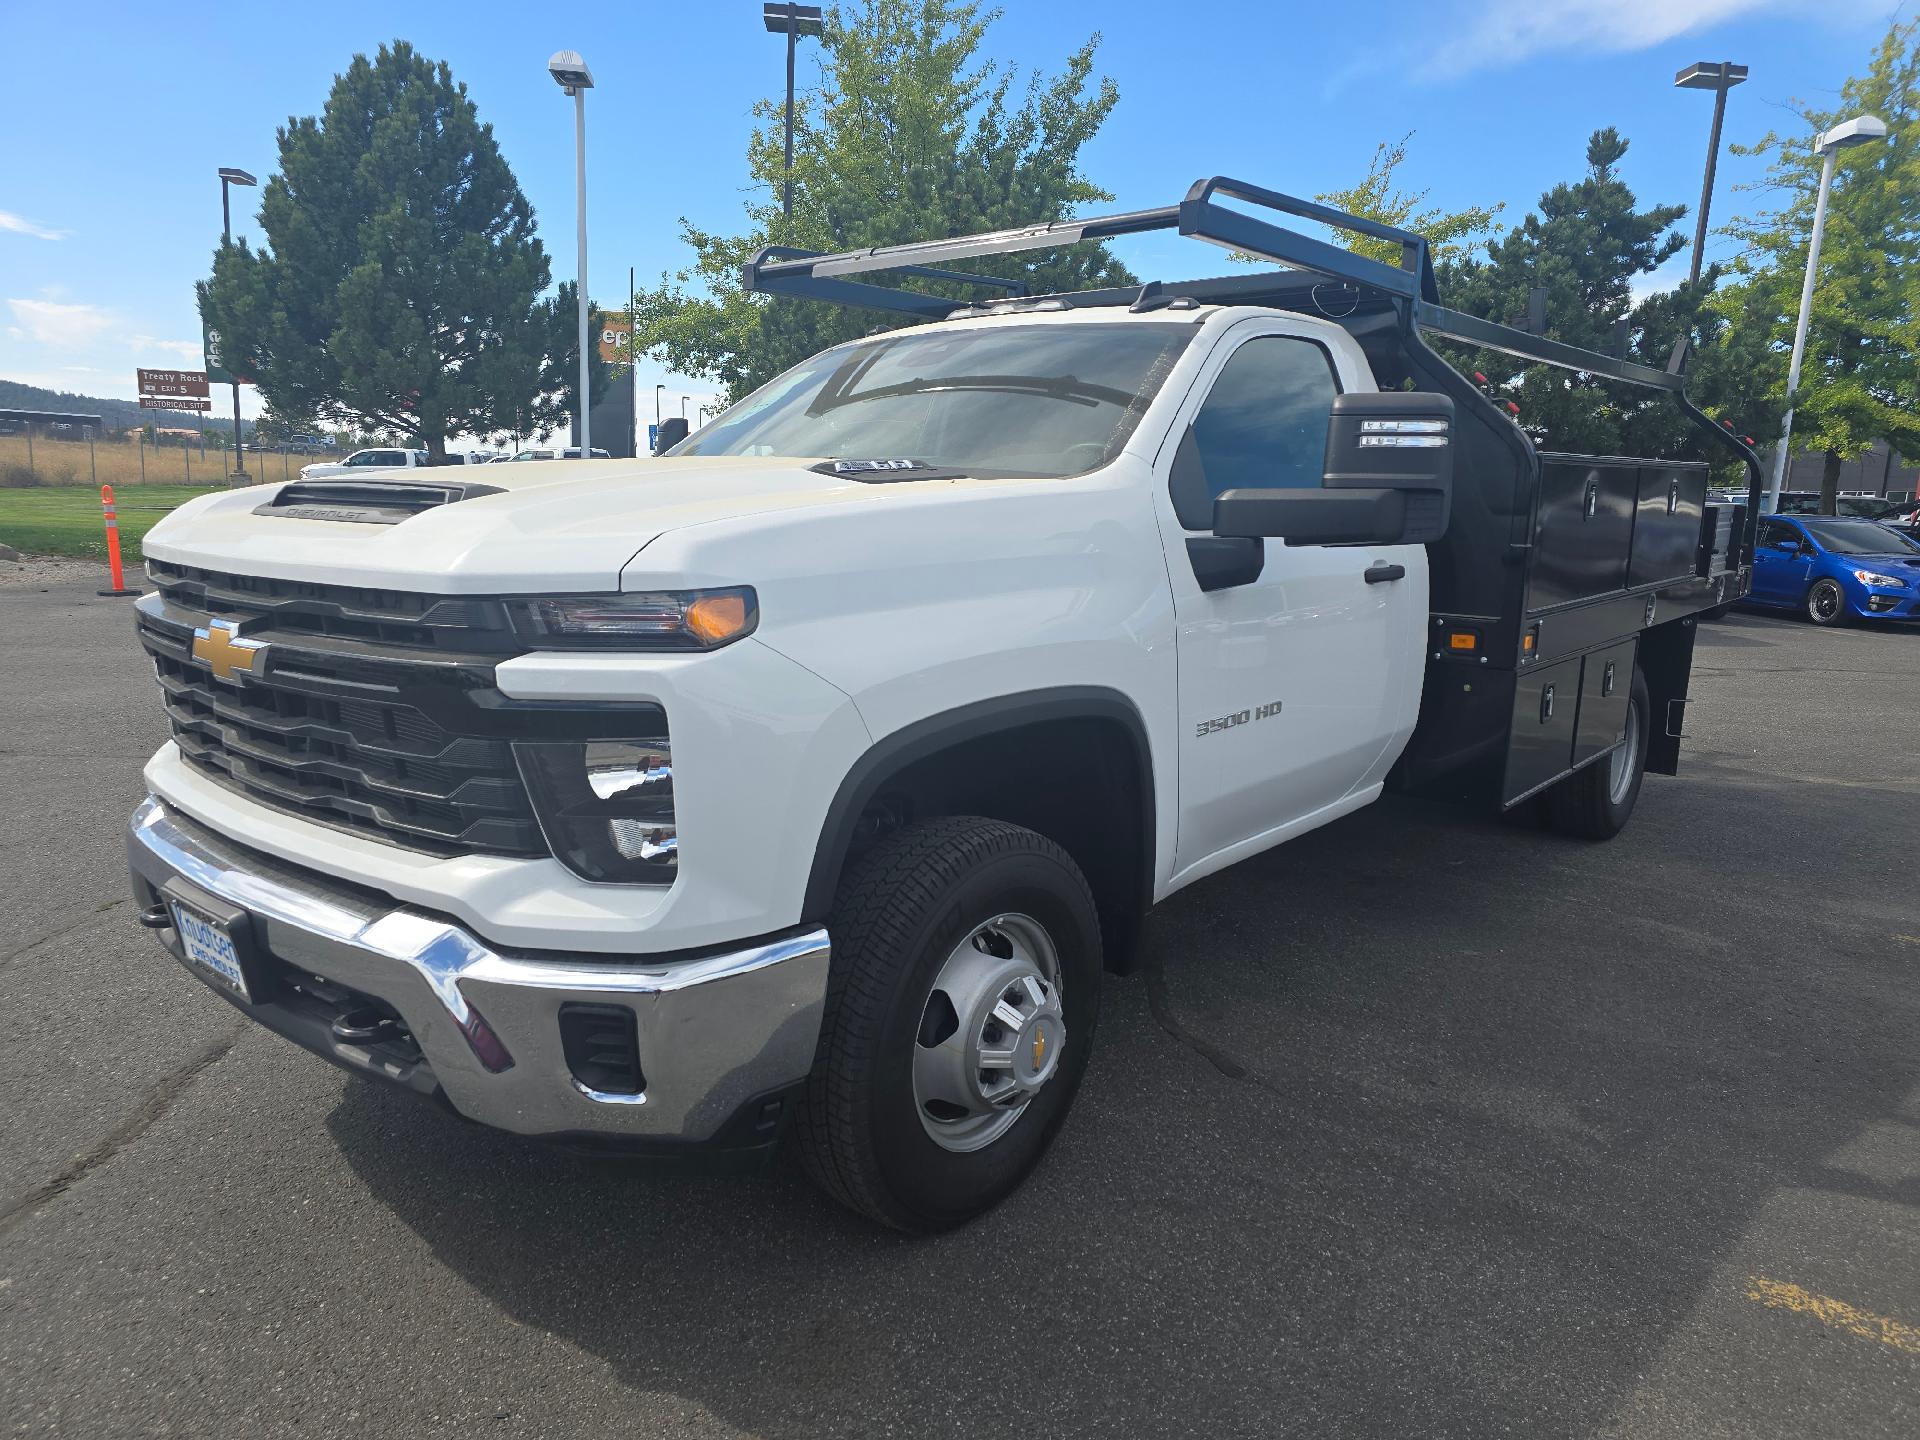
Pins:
x: 1874, y: 577
x: 606, y: 807
x: 658, y: 620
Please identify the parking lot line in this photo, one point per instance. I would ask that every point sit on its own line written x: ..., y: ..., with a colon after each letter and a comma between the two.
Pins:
x: 1834, y: 1314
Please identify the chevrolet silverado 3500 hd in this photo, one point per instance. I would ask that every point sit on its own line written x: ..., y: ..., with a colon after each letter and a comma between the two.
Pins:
x: 802, y: 783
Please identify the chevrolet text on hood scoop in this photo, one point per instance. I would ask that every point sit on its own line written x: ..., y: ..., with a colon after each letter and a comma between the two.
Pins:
x: 548, y: 525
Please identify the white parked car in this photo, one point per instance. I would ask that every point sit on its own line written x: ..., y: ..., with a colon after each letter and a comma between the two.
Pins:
x: 384, y: 458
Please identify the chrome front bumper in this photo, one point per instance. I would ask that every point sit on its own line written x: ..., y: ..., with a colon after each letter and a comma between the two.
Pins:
x: 721, y: 1036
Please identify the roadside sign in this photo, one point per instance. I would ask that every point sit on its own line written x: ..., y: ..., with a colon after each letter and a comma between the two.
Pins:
x: 172, y: 384
x: 175, y: 402
x: 616, y: 339
x: 217, y: 370
x: 653, y: 438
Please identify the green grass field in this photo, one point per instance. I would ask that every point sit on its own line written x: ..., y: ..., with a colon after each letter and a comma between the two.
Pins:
x: 65, y: 519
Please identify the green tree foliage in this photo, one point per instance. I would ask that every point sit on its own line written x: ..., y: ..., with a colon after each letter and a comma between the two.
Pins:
x: 1584, y: 246
x: 910, y: 135
x: 1860, y: 380
x: 400, y: 293
x: 1452, y: 235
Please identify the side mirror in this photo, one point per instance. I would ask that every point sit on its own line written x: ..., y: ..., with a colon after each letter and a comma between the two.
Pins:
x: 1792, y: 547
x: 1388, y: 479
x: 672, y: 432
x: 1401, y: 441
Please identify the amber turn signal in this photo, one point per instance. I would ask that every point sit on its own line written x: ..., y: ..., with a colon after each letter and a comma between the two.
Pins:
x: 718, y: 617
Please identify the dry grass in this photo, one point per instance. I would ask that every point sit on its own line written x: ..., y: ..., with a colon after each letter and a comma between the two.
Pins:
x: 129, y: 462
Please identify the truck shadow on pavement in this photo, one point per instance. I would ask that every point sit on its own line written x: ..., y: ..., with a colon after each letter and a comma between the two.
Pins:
x: 1427, y: 1125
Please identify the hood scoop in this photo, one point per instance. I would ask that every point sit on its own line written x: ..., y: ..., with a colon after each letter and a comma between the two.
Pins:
x: 366, y: 502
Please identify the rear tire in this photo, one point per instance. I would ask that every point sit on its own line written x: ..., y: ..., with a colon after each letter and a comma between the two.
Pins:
x: 1595, y: 803
x: 960, y: 1012
x: 1826, y: 603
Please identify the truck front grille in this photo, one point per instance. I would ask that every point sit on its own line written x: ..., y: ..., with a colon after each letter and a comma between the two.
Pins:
x: 373, y: 712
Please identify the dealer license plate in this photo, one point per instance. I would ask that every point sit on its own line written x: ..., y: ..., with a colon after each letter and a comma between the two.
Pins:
x: 208, y: 945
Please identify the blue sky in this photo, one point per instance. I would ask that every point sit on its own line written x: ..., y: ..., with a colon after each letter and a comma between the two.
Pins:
x: 109, y: 205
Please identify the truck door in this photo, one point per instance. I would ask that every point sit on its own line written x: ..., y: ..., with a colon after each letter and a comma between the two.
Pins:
x: 1298, y: 686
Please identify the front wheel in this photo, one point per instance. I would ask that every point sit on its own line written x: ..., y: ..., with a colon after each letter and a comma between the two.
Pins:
x: 1595, y: 803
x: 1826, y: 603
x: 960, y: 1011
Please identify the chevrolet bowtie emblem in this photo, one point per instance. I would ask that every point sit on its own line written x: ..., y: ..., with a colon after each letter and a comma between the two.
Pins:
x: 1039, y: 1047
x: 219, y: 646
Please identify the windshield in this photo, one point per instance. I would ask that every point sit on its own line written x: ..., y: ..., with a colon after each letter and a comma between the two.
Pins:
x: 1859, y: 537
x: 1020, y: 400
x: 1867, y: 507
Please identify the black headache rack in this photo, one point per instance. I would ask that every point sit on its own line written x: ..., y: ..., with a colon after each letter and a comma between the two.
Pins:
x: 1557, y: 571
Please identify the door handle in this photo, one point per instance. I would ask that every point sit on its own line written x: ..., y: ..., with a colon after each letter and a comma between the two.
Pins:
x: 1380, y: 574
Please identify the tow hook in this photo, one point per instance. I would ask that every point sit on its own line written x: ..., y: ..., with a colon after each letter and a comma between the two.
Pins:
x: 365, y: 1026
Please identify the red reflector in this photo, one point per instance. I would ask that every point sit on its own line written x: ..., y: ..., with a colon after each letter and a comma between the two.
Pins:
x: 486, y: 1045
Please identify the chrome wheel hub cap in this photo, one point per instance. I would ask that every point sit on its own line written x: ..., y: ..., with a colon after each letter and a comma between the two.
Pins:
x: 991, y: 1034
x: 1625, y: 760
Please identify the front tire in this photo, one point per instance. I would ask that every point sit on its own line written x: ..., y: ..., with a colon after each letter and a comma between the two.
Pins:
x: 960, y: 1012
x: 1826, y: 603
x: 1596, y: 803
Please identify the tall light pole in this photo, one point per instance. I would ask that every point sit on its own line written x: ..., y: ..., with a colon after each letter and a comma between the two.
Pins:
x: 793, y: 21
x: 571, y: 74
x: 1719, y: 77
x: 683, y: 405
x: 229, y: 177
x: 1861, y: 130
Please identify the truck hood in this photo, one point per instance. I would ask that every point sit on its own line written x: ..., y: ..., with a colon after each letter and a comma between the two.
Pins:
x: 555, y: 526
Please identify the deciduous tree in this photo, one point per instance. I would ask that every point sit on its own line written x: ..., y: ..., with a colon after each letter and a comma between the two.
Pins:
x: 1860, y: 380
x: 910, y: 134
x: 1451, y: 235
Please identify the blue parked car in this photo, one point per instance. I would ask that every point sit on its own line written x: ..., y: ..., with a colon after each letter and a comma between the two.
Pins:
x: 1832, y: 568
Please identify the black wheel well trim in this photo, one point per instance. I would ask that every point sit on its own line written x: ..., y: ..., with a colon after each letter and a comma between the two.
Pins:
x: 892, y: 753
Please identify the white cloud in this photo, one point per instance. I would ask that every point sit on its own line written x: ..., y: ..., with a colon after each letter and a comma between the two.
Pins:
x: 68, y: 327
x: 184, y: 349
x: 19, y: 225
x: 1501, y: 33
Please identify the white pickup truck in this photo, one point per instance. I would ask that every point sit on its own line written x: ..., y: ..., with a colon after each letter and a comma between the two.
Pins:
x: 804, y: 783
x: 393, y: 457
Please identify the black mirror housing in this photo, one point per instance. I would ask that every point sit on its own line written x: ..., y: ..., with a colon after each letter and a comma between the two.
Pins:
x: 1400, y: 441
x: 1314, y: 517
x: 672, y: 431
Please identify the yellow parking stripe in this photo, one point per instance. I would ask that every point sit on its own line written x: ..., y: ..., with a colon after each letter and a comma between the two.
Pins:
x: 1834, y: 1314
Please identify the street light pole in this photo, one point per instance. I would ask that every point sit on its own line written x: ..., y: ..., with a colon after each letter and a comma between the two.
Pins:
x: 229, y: 176
x: 1861, y: 130
x: 1719, y: 77
x: 570, y: 72
x: 793, y: 21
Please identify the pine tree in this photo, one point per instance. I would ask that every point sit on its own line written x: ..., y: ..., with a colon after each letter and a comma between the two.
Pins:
x: 1584, y: 247
x: 400, y: 293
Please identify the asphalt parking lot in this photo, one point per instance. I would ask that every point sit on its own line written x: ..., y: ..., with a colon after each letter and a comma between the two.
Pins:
x: 1427, y: 1126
